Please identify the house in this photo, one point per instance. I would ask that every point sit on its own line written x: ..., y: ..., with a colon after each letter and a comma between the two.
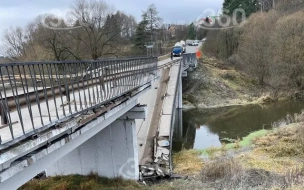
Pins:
x: 173, y: 30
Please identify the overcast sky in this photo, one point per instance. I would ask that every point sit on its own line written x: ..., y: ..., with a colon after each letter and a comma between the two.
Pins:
x: 21, y: 12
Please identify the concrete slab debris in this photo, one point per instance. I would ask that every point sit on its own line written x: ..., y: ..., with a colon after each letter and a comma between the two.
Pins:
x: 164, y: 150
x: 163, y: 143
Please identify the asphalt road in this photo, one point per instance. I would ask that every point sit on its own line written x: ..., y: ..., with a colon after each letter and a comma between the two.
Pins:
x: 193, y: 49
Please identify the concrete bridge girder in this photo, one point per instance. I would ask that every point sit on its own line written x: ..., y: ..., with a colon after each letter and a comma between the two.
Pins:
x: 116, y: 129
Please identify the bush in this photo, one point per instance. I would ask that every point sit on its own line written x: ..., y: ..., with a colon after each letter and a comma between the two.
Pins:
x: 222, y: 43
x: 255, y: 45
x: 287, y: 44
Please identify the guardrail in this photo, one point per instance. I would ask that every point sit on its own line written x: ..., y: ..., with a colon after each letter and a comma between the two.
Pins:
x: 189, y: 60
x: 35, y: 96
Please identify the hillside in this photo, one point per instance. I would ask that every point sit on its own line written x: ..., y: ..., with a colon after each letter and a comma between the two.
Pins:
x: 218, y: 84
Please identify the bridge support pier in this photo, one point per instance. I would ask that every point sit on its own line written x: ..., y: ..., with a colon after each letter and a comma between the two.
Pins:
x: 111, y: 153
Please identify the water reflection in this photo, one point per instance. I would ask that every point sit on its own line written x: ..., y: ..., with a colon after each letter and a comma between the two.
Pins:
x: 205, y: 138
x: 203, y: 128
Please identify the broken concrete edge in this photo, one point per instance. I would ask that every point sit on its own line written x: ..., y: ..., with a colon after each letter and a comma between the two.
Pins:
x: 160, y: 166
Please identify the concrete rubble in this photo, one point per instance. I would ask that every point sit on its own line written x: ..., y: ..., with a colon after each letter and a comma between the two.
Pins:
x: 161, y: 161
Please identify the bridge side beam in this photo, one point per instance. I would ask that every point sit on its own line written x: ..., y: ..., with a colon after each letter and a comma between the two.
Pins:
x: 180, y: 93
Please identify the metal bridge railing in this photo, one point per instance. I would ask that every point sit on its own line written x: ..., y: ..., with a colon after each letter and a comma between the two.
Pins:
x: 189, y: 60
x: 35, y: 96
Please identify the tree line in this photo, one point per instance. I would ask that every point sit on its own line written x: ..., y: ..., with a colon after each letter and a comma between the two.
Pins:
x: 92, y: 29
x: 95, y: 31
x: 268, y: 45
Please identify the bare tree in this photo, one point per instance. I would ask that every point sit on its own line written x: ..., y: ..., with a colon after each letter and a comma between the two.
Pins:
x: 289, y: 6
x: 54, y: 39
x: 14, y: 41
x: 255, y: 46
x: 288, y: 56
x: 128, y: 26
x: 96, y: 36
x: 267, y: 5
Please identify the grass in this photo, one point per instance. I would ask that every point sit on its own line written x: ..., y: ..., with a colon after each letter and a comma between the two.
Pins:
x: 237, y: 144
x: 281, y: 149
x: 94, y: 182
x: 71, y: 182
x: 275, y: 162
x: 248, y: 140
x: 228, y: 173
x: 187, y: 162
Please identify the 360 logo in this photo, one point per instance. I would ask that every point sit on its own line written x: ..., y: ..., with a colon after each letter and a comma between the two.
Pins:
x: 223, y: 21
x: 128, y: 170
x: 55, y: 20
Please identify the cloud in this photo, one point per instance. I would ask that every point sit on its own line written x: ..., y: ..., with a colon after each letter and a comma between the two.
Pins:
x: 20, y: 12
x: 172, y: 11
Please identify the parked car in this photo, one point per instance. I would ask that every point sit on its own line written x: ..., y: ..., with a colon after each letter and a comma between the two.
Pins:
x: 177, y: 51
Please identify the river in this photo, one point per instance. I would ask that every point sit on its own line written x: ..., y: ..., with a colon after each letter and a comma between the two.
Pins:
x: 205, y: 128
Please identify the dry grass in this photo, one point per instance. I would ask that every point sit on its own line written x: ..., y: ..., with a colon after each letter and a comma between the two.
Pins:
x: 187, y: 162
x: 209, y: 60
x: 266, y: 98
x: 228, y: 173
x: 299, y: 117
x: 258, y: 159
x: 213, y: 76
x: 219, y: 168
x: 94, y: 182
x: 275, y: 162
x: 284, y: 142
x: 71, y: 182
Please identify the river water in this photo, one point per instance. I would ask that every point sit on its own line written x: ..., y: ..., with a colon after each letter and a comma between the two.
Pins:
x: 205, y: 128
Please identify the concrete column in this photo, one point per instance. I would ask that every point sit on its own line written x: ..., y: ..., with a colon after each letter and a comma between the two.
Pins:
x: 111, y: 153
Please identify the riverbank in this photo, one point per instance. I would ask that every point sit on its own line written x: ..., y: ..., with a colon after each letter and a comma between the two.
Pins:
x: 217, y: 84
x: 271, y: 159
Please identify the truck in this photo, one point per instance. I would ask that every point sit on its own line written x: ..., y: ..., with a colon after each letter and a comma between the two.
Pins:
x: 181, y: 44
x: 178, y: 44
x: 189, y: 42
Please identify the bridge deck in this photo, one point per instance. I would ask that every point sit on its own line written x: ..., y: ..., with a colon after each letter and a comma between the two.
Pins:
x: 56, y: 108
